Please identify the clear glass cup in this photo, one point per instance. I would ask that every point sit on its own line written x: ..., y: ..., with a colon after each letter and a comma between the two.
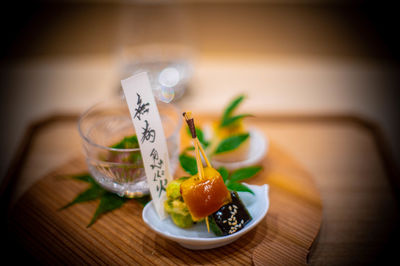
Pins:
x: 107, y: 123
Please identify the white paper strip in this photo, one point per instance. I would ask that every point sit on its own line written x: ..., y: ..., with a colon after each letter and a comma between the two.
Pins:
x: 153, y: 146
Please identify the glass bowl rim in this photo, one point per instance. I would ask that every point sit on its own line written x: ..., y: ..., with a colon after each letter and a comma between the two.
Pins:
x: 85, y: 113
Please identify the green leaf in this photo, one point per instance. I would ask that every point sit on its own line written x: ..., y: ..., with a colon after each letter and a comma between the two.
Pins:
x: 188, y: 163
x: 108, y: 202
x: 238, y: 187
x: 232, y: 106
x: 92, y: 193
x: 230, y: 120
x: 231, y: 143
x: 244, y: 173
x: 224, y: 173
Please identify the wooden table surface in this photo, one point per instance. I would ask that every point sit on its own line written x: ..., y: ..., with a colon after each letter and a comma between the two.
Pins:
x: 343, y: 154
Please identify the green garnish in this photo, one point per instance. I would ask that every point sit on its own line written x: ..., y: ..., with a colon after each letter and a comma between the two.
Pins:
x: 231, y: 120
x: 238, y: 187
x: 188, y: 163
x: 231, y: 143
x: 108, y: 201
x: 228, y: 119
x: 92, y: 193
x: 231, y: 107
x: 244, y: 173
x: 231, y: 181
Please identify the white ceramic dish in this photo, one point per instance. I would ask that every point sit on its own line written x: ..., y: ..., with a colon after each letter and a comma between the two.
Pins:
x: 197, y: 237
x: 258, y: 149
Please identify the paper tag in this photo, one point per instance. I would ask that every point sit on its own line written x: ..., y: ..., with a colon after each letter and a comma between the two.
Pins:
x: 150, y: 134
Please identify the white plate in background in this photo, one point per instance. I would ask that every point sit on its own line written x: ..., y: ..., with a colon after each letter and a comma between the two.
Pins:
x: 258, y: 149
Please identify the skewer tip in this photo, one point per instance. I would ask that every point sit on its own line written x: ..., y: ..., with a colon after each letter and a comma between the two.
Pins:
x: 188, y: 115
x: 190, y: 121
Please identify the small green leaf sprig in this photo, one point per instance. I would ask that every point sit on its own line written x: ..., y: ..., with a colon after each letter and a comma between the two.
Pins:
x: 232, y: 180
x: 227, y: 117
x: 108, y: 200
x: 227, y: 120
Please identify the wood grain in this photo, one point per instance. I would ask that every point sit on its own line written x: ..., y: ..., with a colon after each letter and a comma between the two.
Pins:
x: 121, y: 237
x: 343, y: 154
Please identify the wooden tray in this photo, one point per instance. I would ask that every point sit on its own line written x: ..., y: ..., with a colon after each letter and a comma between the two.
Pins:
x: 284, y: 237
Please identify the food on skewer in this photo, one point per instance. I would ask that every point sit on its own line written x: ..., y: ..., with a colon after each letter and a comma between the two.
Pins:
x: 205, y: 195
x: 205, y: 192
x: 230, y: 218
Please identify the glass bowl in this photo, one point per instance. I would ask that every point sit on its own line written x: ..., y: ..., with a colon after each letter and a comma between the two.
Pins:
x: 117, y: 169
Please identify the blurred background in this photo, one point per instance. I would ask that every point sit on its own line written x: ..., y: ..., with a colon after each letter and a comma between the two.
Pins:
x: 289, y: 57
x: 295, y: 57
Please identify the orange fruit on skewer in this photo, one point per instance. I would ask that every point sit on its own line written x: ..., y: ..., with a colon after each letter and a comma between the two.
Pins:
x: 205, y: 192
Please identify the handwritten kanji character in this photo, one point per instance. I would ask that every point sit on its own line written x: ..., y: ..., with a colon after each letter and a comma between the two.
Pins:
x: 142, y: 108
x: 148, y: 133
x: 154, y: 154
x: 161, y: 187
x: 158, y: 174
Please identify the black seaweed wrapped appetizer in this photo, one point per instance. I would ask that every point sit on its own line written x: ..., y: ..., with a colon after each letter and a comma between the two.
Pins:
x: 230, y: 218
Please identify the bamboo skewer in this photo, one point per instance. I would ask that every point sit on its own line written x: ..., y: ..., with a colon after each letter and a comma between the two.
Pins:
x: 198, y: 149
x: 189, y: 120
x: 200, y: 168
x: 197, y: 145
x: 203, y: 153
